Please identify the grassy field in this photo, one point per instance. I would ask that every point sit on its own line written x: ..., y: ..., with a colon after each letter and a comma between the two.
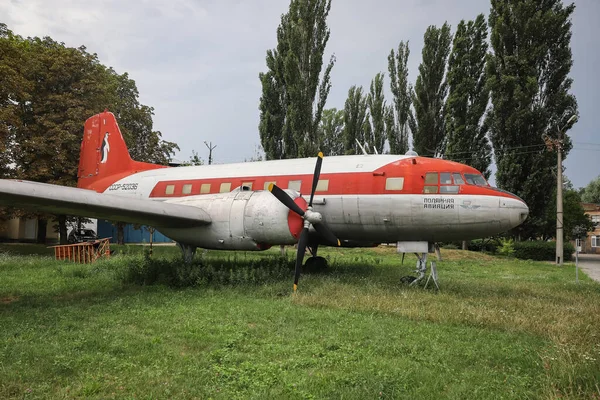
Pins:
x: 499, y: 328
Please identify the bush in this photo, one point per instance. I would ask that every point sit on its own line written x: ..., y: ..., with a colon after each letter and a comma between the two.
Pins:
x: 489, y: 245
x: 541, y: 250
x: 148, y: 270
x: 507, y: 247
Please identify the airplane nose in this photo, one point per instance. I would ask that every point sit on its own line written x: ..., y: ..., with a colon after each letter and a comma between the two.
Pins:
x: 516, y: 208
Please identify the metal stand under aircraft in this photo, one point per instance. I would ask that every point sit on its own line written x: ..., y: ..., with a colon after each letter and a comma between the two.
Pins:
x: 420, y: 249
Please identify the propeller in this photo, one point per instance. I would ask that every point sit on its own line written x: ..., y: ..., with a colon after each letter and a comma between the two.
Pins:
x: 309, y: 216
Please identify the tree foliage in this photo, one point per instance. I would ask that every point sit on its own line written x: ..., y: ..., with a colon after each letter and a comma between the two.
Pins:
x: 294, y: 93
x: 591, y: 193
x: 468, y: 96
x: 398, y: 127
x: 377, y: 110
x: 356, y: 120
x: 48, y: 91
x: 528, y: 78
x: 331, y: 131
x: 574, y: 217
x: 430, y: 92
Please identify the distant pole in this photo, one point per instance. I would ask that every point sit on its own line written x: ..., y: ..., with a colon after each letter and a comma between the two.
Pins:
x: 559, y: 204
x: 210, y: 149
x: 559, y: 189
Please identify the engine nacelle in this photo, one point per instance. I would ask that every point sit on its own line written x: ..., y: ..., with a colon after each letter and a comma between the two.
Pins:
x: 241, y: 220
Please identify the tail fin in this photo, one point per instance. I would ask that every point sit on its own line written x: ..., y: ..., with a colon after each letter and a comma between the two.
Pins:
x: 104, y: 158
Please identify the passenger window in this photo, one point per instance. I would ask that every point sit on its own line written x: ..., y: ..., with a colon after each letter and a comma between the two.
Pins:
x: 225, y: 187
x: 446, y: 178
x: 268, y: 183
x: 430, y: 189
x: 187, y: 188
x: 458, y: 180
x: 295, y: 185
x: 322, y: 185
x: 431, y: 178
x: 170, y: 189
x: 394, y: 183
x: 205, y: 188
x: 449, y: 189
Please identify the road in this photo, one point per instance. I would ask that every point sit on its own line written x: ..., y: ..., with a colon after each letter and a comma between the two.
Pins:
x: 590, y: 264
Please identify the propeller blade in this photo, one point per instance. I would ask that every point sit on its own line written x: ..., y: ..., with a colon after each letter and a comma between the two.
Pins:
x: 285, y: 199
x: 327, y: 234
x: 316, y: 177
x: 302, y: 243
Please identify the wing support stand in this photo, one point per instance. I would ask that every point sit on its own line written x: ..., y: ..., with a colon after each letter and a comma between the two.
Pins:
x: 188, y: 252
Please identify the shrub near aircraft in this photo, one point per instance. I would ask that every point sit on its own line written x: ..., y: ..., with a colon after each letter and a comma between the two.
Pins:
x: 354, y: 200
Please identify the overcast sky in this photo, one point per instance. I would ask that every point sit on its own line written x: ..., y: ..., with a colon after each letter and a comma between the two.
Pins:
x: 197, y: 61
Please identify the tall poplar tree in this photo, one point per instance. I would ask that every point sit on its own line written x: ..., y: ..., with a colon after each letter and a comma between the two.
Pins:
x: 356, y: 120
x: 430, y: 92
x: 397, y: 134
x: 377, y: 110
x: 468, y: 96
x: 331, y: 131
x: 294, y: 93
x: 530, y: 94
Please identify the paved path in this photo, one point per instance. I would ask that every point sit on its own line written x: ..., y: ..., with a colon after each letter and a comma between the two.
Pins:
x: 590, y: 264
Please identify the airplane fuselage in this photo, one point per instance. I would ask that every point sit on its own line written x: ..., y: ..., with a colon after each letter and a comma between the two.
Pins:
x: 365, y: 198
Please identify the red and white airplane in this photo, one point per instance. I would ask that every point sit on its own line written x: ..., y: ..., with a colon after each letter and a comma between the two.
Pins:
x: 356, y: 200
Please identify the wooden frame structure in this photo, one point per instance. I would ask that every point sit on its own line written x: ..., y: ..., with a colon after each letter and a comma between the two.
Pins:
x: 83, y: 253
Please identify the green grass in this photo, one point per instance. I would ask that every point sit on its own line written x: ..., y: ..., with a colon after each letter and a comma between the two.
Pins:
x: 499, y: 328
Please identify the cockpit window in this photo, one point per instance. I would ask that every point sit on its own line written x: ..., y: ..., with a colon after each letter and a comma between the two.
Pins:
x: 476, y: 179
x: 445, y: 178
x: 458, y: 180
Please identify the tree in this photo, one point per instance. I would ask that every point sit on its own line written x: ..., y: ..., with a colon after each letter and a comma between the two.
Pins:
x: 529, y: 88
x: 575, y: 220
x: 591, y: 193
x: 48, y: 91
x: 14, y: 90
x: 468, y: 96
x: 294, y: 94
x: 331, y: 131
x: 430, y: 92
x: 377, y: 110
x: 397, y: 133
x: 356, y: 120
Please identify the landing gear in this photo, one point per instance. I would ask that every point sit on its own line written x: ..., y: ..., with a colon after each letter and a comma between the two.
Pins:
x: 315, y: 263
x: 188, y: 252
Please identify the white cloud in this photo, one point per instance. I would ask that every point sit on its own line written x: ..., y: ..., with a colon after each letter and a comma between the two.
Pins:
x: 197, y: 61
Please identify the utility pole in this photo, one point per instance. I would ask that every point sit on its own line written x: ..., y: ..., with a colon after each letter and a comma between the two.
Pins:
x: 557, y: 143
x: 210, y: 149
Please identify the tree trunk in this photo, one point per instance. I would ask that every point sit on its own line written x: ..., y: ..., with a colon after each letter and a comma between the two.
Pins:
x: 62, y: 229
x: 465, y: 245
x: 120, y: 233
x: 41, y: 231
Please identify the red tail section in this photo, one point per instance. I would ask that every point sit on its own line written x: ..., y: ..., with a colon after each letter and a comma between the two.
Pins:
x: 104, y: 158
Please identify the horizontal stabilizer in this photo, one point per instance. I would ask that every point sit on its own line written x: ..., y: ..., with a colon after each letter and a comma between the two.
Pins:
x: 55, y: 199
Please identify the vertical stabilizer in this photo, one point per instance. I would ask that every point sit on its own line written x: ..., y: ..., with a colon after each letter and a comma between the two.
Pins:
x: 104, y: 158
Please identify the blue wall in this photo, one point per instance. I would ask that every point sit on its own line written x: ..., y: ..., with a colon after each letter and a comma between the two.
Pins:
x: 130, y: 235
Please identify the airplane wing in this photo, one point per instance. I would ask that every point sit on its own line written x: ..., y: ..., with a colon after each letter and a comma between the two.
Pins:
x: 57, y: 199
